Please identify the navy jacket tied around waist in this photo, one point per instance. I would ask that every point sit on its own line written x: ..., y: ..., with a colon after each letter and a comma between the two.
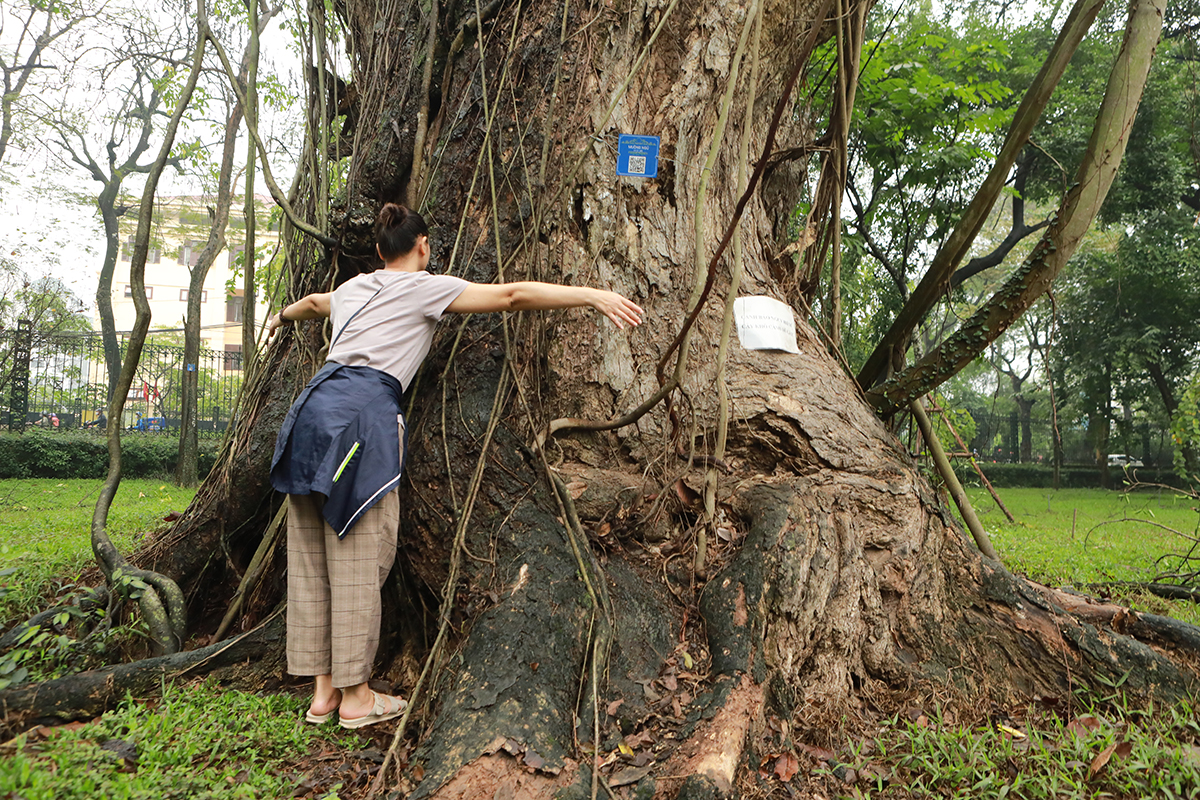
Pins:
x: 340, y: 439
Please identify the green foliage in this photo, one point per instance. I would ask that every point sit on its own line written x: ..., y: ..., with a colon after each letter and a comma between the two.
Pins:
x: 933, y: 102
x: 200, y: 741
x: 1129, y: 333
x: 1185, y: 430
x: 960, y: 418
x: 1158, y: 165
x: 84, y: 454
x: 933, y: 92
x: 45, y: 301
x: 48, y: 650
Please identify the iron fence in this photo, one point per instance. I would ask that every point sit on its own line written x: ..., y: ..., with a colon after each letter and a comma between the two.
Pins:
x: 61, y: 381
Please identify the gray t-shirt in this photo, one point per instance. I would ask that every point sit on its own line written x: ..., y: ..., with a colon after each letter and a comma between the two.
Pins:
x: 395, y: 330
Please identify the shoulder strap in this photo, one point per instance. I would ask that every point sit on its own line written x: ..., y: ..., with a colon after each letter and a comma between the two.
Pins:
x: 342, y: 330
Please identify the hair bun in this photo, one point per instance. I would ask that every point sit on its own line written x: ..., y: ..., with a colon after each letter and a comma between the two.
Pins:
x: 393, y: 214
x: 397, y: 229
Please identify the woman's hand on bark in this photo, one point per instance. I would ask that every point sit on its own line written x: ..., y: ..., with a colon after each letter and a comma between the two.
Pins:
x: 277, y: 320
x: 621, y: 310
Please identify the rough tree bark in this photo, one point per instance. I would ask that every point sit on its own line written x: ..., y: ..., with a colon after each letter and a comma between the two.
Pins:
x: 835, y: 571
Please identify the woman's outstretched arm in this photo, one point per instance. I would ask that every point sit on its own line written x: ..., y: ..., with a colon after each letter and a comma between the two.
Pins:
x: 532, y: 295
x: 310, y: 306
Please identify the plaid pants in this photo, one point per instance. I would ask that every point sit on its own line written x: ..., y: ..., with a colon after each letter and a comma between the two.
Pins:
x: 334, y: 608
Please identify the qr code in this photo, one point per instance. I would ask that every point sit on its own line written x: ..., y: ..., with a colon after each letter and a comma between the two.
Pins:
x: 637, y: 165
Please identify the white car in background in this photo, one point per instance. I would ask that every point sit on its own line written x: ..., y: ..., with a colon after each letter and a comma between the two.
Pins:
x: 1123, y: 461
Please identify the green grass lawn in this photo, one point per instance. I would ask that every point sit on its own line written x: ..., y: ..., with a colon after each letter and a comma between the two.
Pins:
x: 1079, y: 537
x: 45, y: 532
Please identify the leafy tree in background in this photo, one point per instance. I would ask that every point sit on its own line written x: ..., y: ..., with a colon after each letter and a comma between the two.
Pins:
x: 1185, y: 431
x: 1015, y: 356
x: 1130, y: 329
x: 187, y: 469
x: 934, y: 101
x: 1159, y: 172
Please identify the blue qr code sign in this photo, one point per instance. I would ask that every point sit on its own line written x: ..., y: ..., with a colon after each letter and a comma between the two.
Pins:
x: 637, y: 156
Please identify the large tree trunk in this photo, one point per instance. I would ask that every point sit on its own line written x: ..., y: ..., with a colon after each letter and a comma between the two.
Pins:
x: 835, y: 571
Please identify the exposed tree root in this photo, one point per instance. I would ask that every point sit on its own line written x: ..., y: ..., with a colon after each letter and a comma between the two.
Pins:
x: 1167, y: 591
x: 500, y: 774
x: 790, y: 628
x: 88, y: 694
x: 715, y: 751
x: 1154, y: 628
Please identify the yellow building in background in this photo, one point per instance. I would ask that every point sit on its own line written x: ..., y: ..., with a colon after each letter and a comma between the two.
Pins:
x: 180, y: 232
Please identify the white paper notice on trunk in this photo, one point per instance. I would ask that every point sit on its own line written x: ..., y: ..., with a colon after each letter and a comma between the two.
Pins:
x: 764, y: 323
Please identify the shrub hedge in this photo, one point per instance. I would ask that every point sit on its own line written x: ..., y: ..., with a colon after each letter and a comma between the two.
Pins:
x: 1072, y: 476
x: 84, y: 454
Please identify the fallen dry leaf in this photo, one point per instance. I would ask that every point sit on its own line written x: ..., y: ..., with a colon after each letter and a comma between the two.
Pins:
x: 534, y: 760
x: 1099, y: 761
x: 627, y: 776
x: 639, y: 739
x: 1082, y: 726
x: 48, y: 732
x: 686, y: 494
x: 612, y: 707
x: 819, y: 753
x: 1013, y: 732
x: 786, y: 767
x: 522, y: 579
